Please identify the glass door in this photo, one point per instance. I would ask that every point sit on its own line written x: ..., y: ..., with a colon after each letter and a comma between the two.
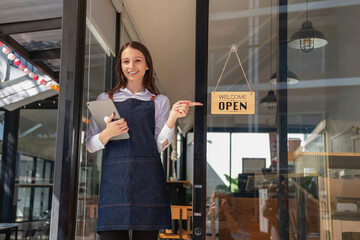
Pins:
x: 291, y: 169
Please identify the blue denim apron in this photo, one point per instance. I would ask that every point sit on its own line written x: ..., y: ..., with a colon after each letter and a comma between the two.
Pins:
x: 133, y: 192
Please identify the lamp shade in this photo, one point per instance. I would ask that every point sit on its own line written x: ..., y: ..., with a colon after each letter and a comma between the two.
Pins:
x: 269, y: 100
x: 307, y: 38
x: 291, y: 78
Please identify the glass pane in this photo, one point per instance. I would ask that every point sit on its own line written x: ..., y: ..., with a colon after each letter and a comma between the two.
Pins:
x: 34, y: 174
x: 90, y: 163
x: 39, y: 171
x: 23, y: 206
x: 310, y: 191
x: 37, y: 133
x: 240, y: 147
x: 41, y: 203
x: 26, y: 169
x: 327, y: 166
x: 48, y: 177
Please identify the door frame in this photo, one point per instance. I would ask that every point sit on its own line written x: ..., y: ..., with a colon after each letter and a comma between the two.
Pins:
x: 200, y: 126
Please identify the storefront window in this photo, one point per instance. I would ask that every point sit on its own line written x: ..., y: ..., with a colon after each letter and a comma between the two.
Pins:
x: 34, y: 171
x: 96, y: 75
x: 316, y: 195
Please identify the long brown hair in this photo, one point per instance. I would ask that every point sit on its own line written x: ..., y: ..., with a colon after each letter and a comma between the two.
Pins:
x: 148, y: 80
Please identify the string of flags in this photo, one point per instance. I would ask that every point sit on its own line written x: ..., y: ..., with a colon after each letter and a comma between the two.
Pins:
x: 33, y: 76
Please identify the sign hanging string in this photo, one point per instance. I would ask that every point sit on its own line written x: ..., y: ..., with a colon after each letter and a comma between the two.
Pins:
x: 233, y: 49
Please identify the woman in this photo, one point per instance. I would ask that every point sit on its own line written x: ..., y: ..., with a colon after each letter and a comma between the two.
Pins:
x: 133, y: 194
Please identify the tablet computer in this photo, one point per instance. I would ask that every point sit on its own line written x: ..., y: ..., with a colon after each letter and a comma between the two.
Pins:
x: 102, y: 108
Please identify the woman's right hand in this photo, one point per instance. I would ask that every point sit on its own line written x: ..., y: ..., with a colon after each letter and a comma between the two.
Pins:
x: 113, y: 128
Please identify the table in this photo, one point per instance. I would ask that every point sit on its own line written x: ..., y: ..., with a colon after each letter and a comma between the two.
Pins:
x: 7, y: 228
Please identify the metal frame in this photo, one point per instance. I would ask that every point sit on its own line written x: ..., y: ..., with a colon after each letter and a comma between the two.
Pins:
x: 183, y: 157
x: 200, y: 140
x: 8, y: 169
x: 64, y: 204
x: 169, y: 163
x: 165, y: 162
x: 117, y: 48
x: 282, y: 128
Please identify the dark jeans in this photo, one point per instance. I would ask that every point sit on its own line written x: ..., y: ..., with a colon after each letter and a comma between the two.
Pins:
x: 124, y: 235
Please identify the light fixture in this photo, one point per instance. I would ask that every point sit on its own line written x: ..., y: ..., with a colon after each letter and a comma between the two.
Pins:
x: 307, y: 38
x: 269, y: 100
x: 291, y: 78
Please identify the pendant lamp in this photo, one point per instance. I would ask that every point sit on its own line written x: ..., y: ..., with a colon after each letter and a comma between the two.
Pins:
x: 307, y: 38
x: 269, y: 100
x: 291, y: 76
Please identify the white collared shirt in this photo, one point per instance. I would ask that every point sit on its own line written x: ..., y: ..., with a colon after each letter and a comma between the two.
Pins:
x: 162, y: 110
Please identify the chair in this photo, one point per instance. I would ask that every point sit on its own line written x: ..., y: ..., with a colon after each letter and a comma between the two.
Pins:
x: 178, y: 215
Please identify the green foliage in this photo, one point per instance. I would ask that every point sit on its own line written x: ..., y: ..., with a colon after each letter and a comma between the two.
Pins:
x: 233, y: 183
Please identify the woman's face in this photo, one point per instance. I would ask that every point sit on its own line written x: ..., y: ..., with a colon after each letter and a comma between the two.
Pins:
x: 133, y: 65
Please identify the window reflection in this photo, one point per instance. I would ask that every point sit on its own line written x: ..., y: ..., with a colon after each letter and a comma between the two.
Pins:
x: 34, y: 172
x: 316, y: 195
x: 90, y: 163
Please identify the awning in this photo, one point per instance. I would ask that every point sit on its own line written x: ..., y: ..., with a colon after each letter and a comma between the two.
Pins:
x: 35, y: 36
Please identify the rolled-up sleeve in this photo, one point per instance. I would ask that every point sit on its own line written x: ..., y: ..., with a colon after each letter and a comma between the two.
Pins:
x: 93, y: 142
x: 162, y: 131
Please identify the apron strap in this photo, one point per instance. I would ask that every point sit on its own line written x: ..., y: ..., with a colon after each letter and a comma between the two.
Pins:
x: 111, y: 96
x: 153, y: 97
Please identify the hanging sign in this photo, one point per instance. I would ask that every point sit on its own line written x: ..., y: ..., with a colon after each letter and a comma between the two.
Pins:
x: 233, y: 102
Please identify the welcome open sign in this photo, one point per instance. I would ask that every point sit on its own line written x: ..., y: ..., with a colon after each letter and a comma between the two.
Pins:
x: 233, y: 102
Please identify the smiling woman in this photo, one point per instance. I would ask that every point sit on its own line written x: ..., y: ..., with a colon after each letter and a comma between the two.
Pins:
x: 132, y: 168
